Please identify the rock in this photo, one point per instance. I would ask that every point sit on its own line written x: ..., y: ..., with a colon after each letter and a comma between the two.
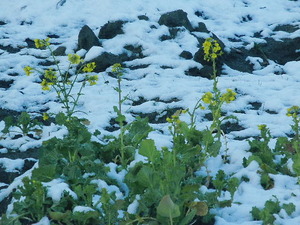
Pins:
x: 280, y: 51
x: 111, y: 29
x: 186, y: 55
x: 105, y: 60
x: 60, y: 51
x: 201, y: 28
x: 30, y: 43
x: 205, y: 72
x: 236, y: 59
x: 2, y: 23
x: 176, y: 18
x: 286, y: 28
x: 137, y: 51
x: 9, y: 49
x: 6, y: 83
x: 143, y: 17
x: 87, y: 38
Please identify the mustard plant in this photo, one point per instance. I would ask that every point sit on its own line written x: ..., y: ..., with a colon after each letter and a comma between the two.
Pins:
x: 63, y: 82
x: 118, y: 71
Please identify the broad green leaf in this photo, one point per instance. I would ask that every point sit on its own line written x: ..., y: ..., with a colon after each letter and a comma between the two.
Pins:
x: 167, y: 208
x: 148, y: 149
x: 289, y: 208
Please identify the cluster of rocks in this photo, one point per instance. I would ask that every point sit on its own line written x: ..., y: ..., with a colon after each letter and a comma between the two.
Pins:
x: 280, y: 52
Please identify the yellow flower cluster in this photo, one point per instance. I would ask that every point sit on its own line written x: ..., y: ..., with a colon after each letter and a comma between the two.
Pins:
x: 74, y: 58
x: 92, y: 79
x: 294, y: 111
x: 40, y: 43
x: 209, y: 98
x: 229, y: 96
x: 117, y: 69
x: 89, y: 67
x: 28, y: 70
x: 212, y: 49
x: 50, y: 78
x: 262, y: 126
x: 175, y: 117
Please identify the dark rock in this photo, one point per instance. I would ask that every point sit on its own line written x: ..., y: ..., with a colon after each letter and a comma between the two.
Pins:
x: 111, y: 29
x: 30, y: 43
x: 231, y: 126
x: 176, y: 18
x: 52, y: 36
x: 143, y: 17
x: 286, y: 28
x: 205, y: 72
x: 60, y: 51
x: 280, y: 51
x: 106, y: 60
x: 87, y: 39
x: 6, y: 112
x: 255, y: 105
x: 186, y: 55
x: 173, y: 33
x: 236, y: 59
x: 2, y: 23
x: 9, y: 49
x: 201, y: 28
x: 136, y: 50
x: 6, y: 83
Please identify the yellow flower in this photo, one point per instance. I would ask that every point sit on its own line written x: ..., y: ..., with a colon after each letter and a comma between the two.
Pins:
x: 229, y: 96
x: 50, y: 75
x: 28, y: 70
x: 45, y: 85
x: 207, y: 97
x: 169, y: 120
x: 41, y: 43
x: 92, y: 79
x: 294, y: 111
x: 117, y: 69
x: 45, y: 116
x: 89, y: 67
x: 74, y: 58
x: 262, y: 126
x: 212, y: 49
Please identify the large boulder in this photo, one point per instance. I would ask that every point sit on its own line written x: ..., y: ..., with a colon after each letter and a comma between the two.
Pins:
x: 111, y: 29
x: 87, y: 39
x: 176, y: 18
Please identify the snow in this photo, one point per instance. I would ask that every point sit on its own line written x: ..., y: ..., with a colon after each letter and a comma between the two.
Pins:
x: 227, y: 19
x: 56, y: 189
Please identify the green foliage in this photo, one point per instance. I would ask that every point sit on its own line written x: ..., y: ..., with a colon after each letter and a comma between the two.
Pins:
x: 63, y: 82
x: 25, y: 124
x: 271, y: 207
x: 165, y: 183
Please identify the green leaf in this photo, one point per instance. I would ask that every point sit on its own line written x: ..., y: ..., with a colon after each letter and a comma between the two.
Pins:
x: 272, y: 206
x: 167, y: 208
x: 145, y: 176
x: 289, y: 208
x: 188, y: 218
x: 255, y: 213
x: 61, y: 118
x: 233, y: 184
x: 296, y: 163
x: 148, y: 149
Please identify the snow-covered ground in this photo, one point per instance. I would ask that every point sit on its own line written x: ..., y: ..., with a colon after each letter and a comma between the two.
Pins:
x: 25, y: 19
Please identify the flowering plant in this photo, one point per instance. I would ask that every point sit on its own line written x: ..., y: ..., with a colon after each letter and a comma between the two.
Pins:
x: 63, y: 82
